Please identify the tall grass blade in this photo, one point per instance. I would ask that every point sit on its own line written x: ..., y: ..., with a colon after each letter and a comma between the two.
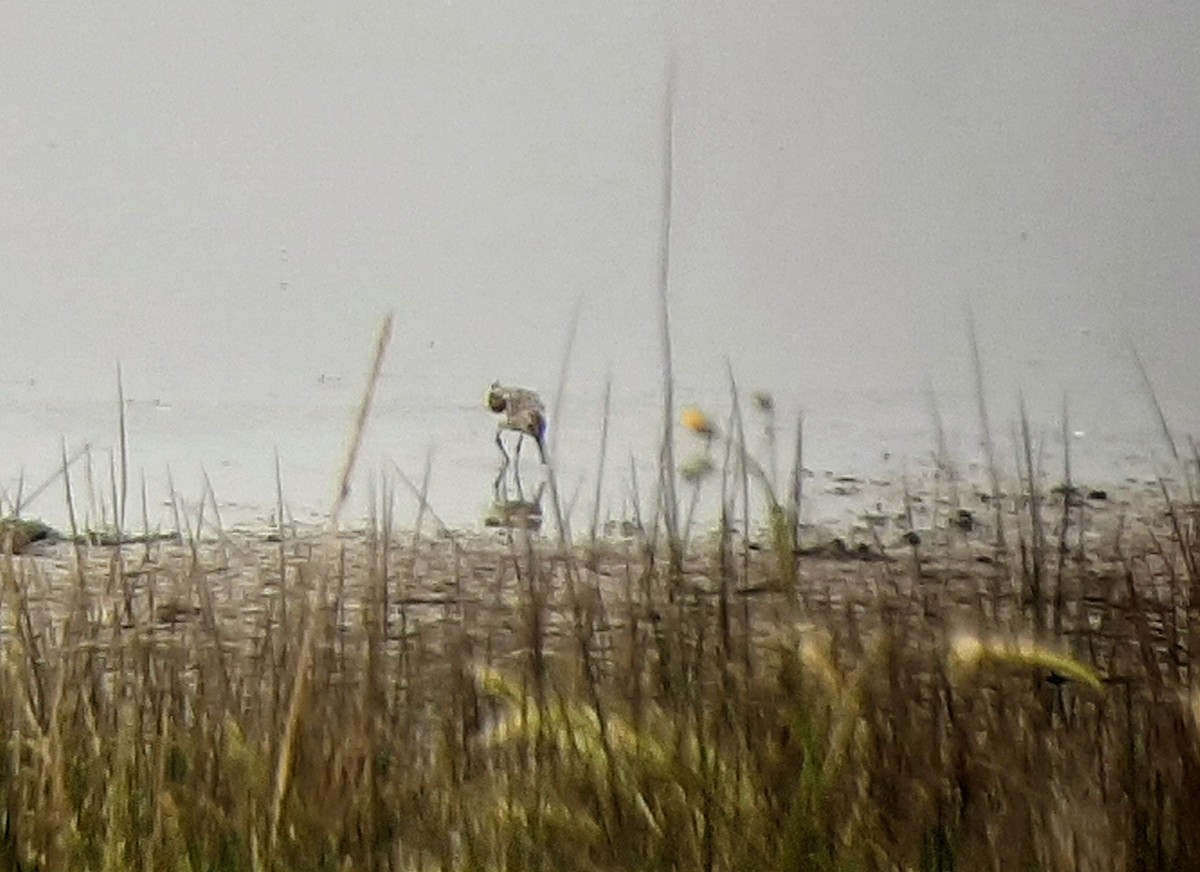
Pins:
x: 123, y: 442
x: 285, y: 756
x: 602, y: 454
x: 989, y: 446
x: 1164, y: 428
x: 1035, y: 565
x: 670, y: 502
x: 382, y: 340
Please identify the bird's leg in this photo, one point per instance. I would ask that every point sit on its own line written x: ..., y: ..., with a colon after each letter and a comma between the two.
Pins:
x: 500, y: 489
x: 517, y: 459
x: 504, y: 460
x: 503, y: 451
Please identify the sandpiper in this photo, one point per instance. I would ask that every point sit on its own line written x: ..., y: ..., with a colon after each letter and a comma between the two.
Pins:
x: 523, y: 413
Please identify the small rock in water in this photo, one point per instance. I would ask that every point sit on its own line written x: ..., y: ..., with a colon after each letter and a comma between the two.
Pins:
x: 963, y: 519
x: 174, y: 612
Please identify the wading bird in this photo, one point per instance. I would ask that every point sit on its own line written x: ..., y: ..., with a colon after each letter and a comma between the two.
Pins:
x: 523, y: 413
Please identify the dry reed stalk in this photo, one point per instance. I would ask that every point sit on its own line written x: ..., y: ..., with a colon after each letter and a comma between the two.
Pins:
x: 1034, y: 567
x: 561, y: 518
x: 217, y: 525
x: 989, y: 446
x: 635, y: 499
x: 284, y: 758
x: 1148, y: 386
x: 421, y: 495
x: 34, y: 691
x: 145, y: 503
x: 1183, y: 527
x: 95, y: 516
x: 670, y: 503
x: 422, y: 498
x: 55, y: 775
x: 946, y: 467
x: 123, y: 446
x: 796, y: 491
x: 116, y: 557
x: 737, y: 428
x: 22, y: 502
x: 602, y: 454
x: 1068, y: 489
x: 726, y: 568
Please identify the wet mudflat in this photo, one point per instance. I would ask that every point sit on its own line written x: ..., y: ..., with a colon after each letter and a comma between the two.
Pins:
x: 957, y: 566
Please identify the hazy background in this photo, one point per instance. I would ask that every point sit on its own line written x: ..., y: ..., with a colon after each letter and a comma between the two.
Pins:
x: 225, y: 198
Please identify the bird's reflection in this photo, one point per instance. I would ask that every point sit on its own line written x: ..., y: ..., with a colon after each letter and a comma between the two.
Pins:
x: 514, y: 510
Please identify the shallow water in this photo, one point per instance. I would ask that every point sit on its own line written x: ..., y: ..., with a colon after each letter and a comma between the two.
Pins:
x: 225, y: 204
x: 882, y: 441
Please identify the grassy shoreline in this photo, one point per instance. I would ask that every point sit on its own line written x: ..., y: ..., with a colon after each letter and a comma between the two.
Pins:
x: 375, y: 700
